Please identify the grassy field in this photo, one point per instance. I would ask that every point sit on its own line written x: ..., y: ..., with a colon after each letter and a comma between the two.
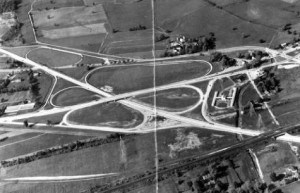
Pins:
x: 80, y: 96
x: 124, y: 16
x: 285, y: 104
x: 196, y: 113
x: 271, y: 13
x: 248, y: 94
x: 62, y: 84
x: 95, y: 2
x: 61, y: 26
x: 74, y: 31
x: 76, y: 72
x: 38, y: 143
x: 292, y: 188
x: 121, y: 17
x: 48, y: 4
x: 183, y: 18
x: 3, y: 62
x: 140, y: 152
x: 68, y: 17
x: 54, y: 119
x: 21, y: 51
x: 178, y: 99
x: 109, y: 115
x: 138, y: 49
x: 143, y: 55
x: 90, y: 43
x: 91, y: 60
x: 226, y: 2
x: 53, y: 58
x: 22, y: 15
x: 46, y: 83
x: 131, y: 42
x: 17, y: 138
x: 276, y: 160
x: 131, y: 78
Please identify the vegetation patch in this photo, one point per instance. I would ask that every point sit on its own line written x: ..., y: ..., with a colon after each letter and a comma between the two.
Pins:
x: 54, y: 4
x: 285, y: 103
x: 57, y: 150
x: 51, y: 26
x: 53, y: 58
x: 275, y: 157
x: 106, y: 115
x: 50, y: 120
x: 36, y: 144
x: 122, y: 17
x: 177, y: 99
x: 63, y: 98
x: 182, y: 17
x: 107, y: 152
x: 141, y: 77
x: 271, y: 13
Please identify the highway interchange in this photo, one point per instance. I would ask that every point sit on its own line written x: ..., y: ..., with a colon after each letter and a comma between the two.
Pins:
x: 106, y: 97
x: 127, y: 99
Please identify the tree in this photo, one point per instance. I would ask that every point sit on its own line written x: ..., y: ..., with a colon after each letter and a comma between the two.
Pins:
x: 260, y: 124
x: 277, y: 191
x: 273, y: 176
x: 216, y: 57
x: 251, y: 109
x: 262, y: 187
x: 25, y: 122
x: 49, y: 122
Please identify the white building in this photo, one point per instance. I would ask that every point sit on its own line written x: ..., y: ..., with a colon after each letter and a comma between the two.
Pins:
x: 20, y: 107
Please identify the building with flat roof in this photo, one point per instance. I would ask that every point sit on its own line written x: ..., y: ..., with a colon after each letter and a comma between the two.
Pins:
x: 20, y: 107
x: 224, y: 99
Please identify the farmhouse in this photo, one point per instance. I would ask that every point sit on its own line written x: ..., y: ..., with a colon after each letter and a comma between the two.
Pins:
x: 20, y: 107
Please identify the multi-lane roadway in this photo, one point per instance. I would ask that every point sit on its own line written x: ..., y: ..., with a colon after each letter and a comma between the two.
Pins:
x: 121, y: 98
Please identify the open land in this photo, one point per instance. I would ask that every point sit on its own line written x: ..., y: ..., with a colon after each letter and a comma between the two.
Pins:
x: 63, y: 98
x: 53, y: 58
x: 37, y: 142
x: 141, y: 77
x: 87, y: 24
x: 139, y: 152
x: 110, y: 115
x: 48, y: 4
x: 173, y: 99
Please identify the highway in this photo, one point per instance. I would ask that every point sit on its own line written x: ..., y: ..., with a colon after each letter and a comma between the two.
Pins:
x: 125, y: 99
x: 120, y: 97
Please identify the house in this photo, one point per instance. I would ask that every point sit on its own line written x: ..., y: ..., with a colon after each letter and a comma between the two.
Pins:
x: 20, y: 107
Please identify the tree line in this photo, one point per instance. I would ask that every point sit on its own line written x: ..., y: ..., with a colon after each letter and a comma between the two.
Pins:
x: 223, y: 59
x: 66, y: 148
